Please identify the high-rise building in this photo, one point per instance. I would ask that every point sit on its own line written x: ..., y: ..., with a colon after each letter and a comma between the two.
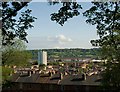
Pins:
x: 42, y: 57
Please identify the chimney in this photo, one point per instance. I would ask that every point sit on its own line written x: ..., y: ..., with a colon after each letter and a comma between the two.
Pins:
x: 21, y: 72
x: 50, y: 74
x: 33, y: 71
x: 53, y: 72
x: 84, y: 76
x: 65, y: 73
x: 61, y: 76
x: 29, y: 73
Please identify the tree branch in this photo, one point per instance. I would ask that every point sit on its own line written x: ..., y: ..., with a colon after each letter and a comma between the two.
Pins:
x: 16, y: 10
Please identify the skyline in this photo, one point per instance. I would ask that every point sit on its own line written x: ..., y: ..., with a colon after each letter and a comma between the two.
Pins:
x: 47, y: 34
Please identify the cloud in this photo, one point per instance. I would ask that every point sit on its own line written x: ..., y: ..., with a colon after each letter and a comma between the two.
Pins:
x: 60, y: 39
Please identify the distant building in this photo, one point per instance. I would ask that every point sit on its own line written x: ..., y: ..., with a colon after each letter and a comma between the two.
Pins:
x: 42, y: 58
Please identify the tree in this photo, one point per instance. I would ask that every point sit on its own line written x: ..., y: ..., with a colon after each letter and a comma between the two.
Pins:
x: 13, y: 27
x: 6, y: 74
x: 106, y: 17
x: 15, y: 54
x: 69, y: 9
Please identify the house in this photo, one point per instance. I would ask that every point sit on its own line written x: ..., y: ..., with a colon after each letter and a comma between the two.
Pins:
x: 50, y: 82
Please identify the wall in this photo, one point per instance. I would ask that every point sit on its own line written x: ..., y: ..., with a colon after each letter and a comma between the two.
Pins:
x: 37, y: 87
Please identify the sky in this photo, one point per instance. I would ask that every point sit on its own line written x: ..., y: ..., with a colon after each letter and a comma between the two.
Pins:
x: 47, y: 34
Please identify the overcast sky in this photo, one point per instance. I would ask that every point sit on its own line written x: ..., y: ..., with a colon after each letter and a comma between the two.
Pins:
x: 47, y: 34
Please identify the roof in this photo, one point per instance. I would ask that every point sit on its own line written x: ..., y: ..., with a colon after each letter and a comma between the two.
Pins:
x: 15, y: 77
x: 76, y: 80
x: 35, y: 78
x: 46, y: 79
x: 55, y: 79
x: 28, y: 79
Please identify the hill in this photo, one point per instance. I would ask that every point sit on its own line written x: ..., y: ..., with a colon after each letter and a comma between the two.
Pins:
x: 68, y: 53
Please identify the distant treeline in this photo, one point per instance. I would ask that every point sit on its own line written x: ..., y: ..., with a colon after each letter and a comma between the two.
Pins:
x: 68, y: 53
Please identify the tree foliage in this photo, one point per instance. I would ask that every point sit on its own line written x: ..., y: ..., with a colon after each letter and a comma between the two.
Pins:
x: 106, y: 17
x: 68, y: 53
x: 69, y: 9
x: 12, y: 26
x: 6, y: 72
x: 15, y: 54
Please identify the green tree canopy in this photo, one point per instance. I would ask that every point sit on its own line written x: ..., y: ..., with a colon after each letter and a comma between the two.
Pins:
x: 106, y: 17
x: 68, y: 10
x: 13, y: 27
x: 15, y: 54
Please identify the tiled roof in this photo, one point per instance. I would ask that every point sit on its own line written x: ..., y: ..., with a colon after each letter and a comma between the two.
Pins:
x: 45, y: 79
x: 28, y: 79
x: 55, y: 79
x: 36, y: 78
x: 15, y: 77
x: 76, y: 80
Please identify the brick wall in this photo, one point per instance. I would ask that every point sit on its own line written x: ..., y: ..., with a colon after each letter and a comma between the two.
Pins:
x: 37, y: 87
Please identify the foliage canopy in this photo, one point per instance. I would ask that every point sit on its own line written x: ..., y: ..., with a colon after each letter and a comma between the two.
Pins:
x: 13, y: 27
x: 106, y: 17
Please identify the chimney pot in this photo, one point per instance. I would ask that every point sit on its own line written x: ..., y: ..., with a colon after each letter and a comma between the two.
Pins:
x: 61, y: 76
x: 84, y: 76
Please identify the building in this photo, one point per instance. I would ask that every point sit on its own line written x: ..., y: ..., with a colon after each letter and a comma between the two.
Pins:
x: 37, y: 80
x: 42, y: 58
x: 58, y: 82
